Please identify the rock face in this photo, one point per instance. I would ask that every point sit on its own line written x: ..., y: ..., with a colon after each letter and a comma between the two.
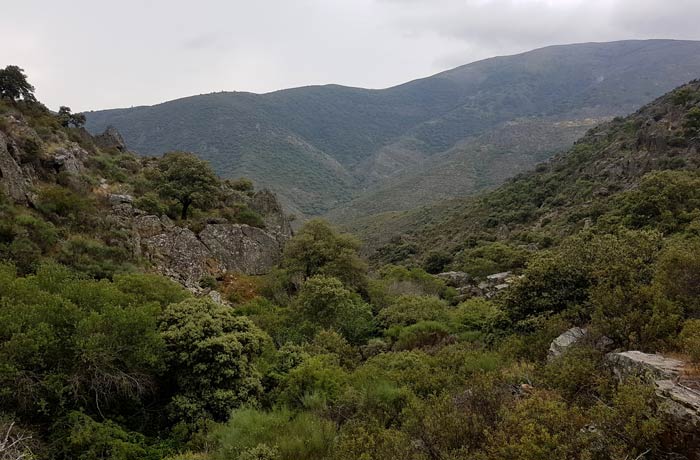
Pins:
x: 562, y: 343
x: 468, y: 287
x: 219, y: 247
x: 14, y: 182
x: 678, y: 392
x: 110, y: 139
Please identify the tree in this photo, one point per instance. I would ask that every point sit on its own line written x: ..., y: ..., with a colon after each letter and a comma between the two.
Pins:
x: 68, y: 118
x: 187, y: 179
x: 14, y: 84
x: 210, y: 356
x: 318, y: 249
x: 324, y: 302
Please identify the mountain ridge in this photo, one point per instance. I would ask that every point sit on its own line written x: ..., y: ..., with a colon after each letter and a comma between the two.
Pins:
x: 377, y: 134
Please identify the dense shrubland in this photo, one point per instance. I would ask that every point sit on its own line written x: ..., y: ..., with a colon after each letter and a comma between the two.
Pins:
x: 375, y: 365
x: 324, y: 358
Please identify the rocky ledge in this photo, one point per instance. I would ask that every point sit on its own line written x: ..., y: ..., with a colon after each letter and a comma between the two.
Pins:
x: 187, y: 256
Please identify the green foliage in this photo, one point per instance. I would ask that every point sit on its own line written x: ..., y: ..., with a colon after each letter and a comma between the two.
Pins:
x: 421, y: 335
x: 325, y: 303
x: 436, y: 261
x: 83, y: 438
x: 678, y: 274
x: 664, y: 200
x: 242, y: 184
x: 394, y: 281
x: 63, y: 206
x: 67, y: 118
x: 692, y: 122
x: 151, y: 203
x: 407, y: 310
x: 278, y: 435
x: 210, y: 356
x: 689, y: 339
x: 71, y: 333
x: 14, y: 84
x: 93, y: 257
x: 315, y: 382
x: 186, y: 179
x: 490, y: 258
x: 317, y: 249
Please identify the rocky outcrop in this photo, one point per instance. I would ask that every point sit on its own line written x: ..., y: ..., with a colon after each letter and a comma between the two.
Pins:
x: 678, y: 390
x: 69, y: 158
x: 562, y: 343
x: 14, y: 182
x: 468, y: 287
x: 219, y: 247
x: 110, y: 139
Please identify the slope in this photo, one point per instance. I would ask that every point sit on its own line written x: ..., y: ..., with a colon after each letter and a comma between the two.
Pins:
x: 630, y: 171
x: 340, y: 141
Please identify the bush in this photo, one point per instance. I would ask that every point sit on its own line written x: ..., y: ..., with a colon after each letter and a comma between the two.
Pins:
x: 278, y: 434
x: 407, y: 310
x: 689, y: 339
x: 436, y: 261
x: 210, y: 357
x: 421, y: 335
x: 324, y: 303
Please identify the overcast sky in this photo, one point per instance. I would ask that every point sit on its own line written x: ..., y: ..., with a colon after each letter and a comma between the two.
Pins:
x: 93, y: 54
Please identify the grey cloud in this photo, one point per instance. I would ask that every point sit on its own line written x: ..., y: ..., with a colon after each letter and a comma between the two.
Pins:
x: 92, y: 55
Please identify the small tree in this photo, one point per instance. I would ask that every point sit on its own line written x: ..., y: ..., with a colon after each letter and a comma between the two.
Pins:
x: 187, y: 179
x: 14, y: 84
x: 318, y: 249
x: 210, y: 354
x: 68, y: 118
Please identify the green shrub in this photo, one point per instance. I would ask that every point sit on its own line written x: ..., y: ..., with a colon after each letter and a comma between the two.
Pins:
x: 689, y: 339
x: 210, y: 356
x: 325, y: 303
x: 407, y: 310
x: 421, y: 335
x: 278, y: 434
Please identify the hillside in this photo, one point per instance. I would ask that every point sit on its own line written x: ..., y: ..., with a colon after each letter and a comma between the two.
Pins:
x: 320, y: 146
x: 150, y: 310
x: 645, y: 163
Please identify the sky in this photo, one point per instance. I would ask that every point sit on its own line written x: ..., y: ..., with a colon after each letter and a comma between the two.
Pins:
x: 98, y: 54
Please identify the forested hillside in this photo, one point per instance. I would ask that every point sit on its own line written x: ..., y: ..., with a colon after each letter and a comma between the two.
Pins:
x: 320, y: 146
x: 585, y: 346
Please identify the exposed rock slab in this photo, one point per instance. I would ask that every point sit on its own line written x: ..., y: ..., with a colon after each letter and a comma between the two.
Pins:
x: 14, y: 183
x: 677, y: 399
x: 562, y: 343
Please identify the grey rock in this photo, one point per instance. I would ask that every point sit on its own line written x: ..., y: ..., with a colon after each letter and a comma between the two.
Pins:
x: 68, y: 159
x: 455, y: 279
x: 562, y: 343
x: 14, y: 183
x: 110, y: 139
x: 241, y: 248
x: 498, y: 276
x: 650, y: 366
x: 115, y: 199
x: 678, y: 399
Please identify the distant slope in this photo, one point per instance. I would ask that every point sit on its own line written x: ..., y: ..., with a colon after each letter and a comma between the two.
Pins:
x: 585, y: 186
x: 320, y: 146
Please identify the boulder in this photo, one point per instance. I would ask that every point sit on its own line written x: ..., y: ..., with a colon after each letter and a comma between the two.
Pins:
x: 649, y: 366
x: 110, y: 139
x: 562, y: 343
x: 678, y: 390
x: 115, y: 199
x: 241, y: 248
x: 455, y: 279
x: 69, y: 159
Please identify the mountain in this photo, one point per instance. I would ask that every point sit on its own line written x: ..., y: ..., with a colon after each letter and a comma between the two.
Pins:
x: 320, y: 146
x: 642, y: 171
